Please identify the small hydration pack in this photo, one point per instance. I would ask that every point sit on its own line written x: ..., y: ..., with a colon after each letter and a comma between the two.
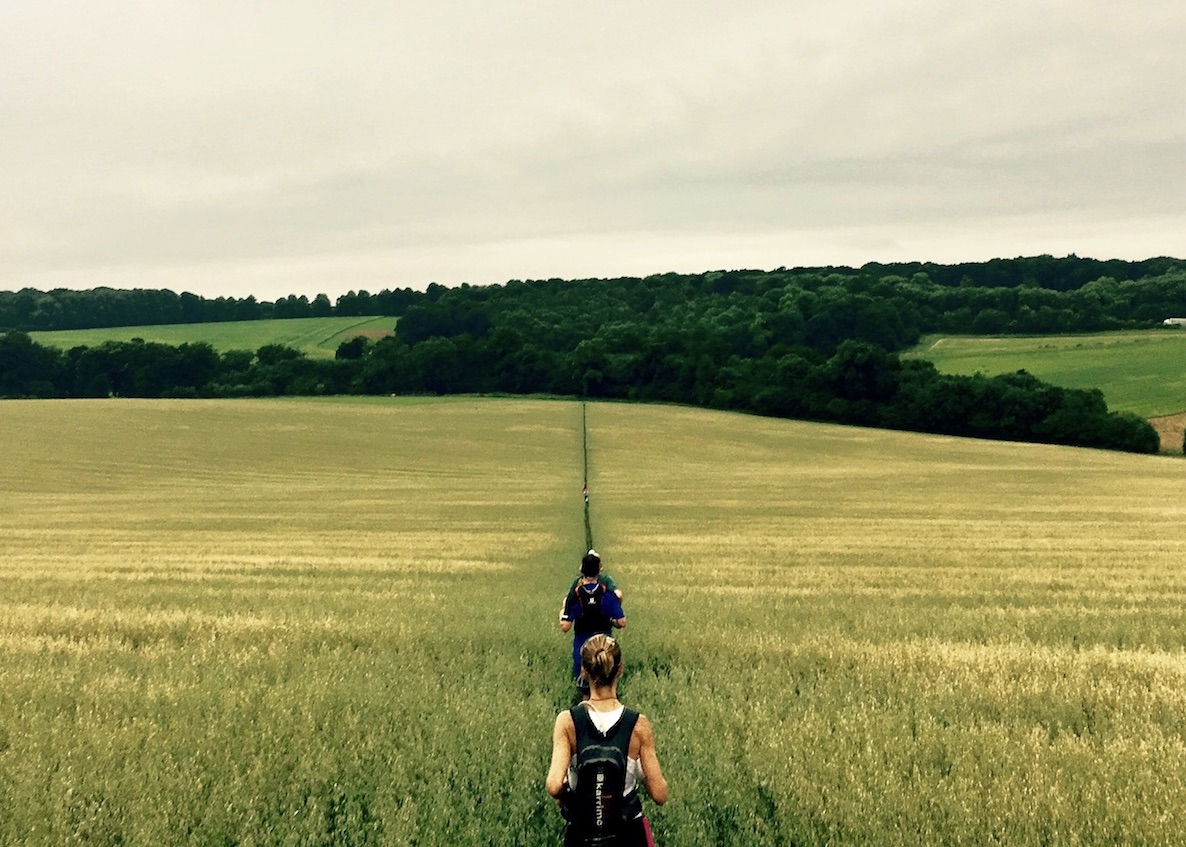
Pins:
x: 598, y: 809
x: 591, y: 601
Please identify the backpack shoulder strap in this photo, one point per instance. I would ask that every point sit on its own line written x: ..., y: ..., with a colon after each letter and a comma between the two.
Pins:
x: 581, y: 722
x: 626, y: 726
x: 621, y: 731
x: 595, y: 590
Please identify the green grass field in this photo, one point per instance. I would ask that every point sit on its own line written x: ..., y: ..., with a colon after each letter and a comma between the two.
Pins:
x: 1139, y: 371
x: 317, y: 338
x: 294, y: 622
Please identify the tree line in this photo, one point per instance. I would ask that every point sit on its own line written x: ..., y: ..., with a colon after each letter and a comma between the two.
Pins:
x: 815, y: 344
x: 1039, y: 294
x: 859, y: 384
x: 29, y: 310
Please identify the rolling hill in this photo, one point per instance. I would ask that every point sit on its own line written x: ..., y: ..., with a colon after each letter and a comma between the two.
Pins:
x: 317, y: 338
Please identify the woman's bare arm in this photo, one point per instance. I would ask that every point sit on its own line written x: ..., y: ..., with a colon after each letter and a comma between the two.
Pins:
x: 652, y: 774
x: 564, y: 740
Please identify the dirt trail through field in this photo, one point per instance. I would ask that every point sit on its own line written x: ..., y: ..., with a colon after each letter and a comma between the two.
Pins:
x: 1172, y: 429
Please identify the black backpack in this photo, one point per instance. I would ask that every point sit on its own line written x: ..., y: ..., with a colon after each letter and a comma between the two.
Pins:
x: 591, y: 603
x: 597, y: 810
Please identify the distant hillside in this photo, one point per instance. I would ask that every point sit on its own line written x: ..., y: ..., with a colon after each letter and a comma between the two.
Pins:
x: 1138, y: 371
x: 815, y: 344
x: 30, y: 310
x: 317, y: 338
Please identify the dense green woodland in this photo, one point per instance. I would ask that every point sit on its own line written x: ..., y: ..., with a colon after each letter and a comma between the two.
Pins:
x: 1001, y: 295
x: 813, y: 343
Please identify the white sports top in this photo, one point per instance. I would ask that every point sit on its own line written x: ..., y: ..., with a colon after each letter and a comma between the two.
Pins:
x: 604, y: 721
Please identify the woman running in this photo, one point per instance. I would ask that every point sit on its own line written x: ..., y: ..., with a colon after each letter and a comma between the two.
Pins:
x: 601, y: 753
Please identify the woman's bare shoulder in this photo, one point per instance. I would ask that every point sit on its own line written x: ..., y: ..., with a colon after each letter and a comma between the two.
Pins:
x: 643, y: 728
x: 564, y: 723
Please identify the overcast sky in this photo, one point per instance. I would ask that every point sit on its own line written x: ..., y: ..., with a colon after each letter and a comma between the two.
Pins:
x: 273, y: 148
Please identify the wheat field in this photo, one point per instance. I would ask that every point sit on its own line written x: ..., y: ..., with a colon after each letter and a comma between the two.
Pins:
x: 293, y: 622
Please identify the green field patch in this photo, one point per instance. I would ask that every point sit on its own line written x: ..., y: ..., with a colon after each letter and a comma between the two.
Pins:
x: 1138, y: 371
x: 317, y: 338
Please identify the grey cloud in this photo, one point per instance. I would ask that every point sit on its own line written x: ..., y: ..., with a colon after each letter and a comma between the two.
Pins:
x: 462, y: 140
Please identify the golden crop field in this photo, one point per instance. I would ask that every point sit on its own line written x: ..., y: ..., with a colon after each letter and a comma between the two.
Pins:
x: 333, y: 622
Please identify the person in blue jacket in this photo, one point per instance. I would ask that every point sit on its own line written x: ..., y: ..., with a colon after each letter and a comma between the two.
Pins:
x: 590, y: 609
